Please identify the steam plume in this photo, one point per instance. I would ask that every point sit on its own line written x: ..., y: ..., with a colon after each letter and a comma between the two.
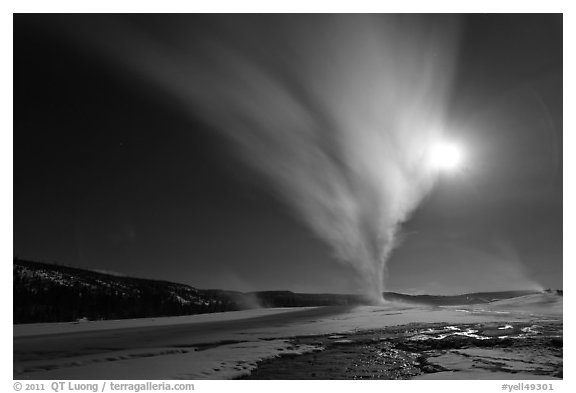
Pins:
x: 336, y: 111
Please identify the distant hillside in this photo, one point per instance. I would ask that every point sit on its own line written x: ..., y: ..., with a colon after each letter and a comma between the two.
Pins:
x: 455, y: 300
x: 53, y: 293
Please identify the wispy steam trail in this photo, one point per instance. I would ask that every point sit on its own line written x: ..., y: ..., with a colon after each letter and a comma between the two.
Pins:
x: 336, y: 111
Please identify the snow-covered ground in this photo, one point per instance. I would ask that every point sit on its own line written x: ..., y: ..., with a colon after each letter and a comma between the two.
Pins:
x: 225, y: 345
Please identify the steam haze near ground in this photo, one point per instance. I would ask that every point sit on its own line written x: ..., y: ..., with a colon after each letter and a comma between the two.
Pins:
x: 337, y: 112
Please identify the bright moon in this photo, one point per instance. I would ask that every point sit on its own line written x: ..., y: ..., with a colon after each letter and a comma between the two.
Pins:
x: 445, y: 156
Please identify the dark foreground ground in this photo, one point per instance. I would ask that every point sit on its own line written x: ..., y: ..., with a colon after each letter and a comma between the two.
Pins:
x: 525, y: 350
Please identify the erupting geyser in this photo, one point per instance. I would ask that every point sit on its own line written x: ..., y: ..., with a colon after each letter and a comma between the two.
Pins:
x: 337, y: 112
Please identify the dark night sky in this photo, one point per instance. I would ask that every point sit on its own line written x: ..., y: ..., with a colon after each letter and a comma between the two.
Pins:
x: 110, y: 174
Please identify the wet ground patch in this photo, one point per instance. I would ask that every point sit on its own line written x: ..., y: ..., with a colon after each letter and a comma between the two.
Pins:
x: 408, y: 351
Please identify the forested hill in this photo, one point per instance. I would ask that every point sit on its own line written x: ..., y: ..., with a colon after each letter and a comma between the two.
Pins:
x: 51, y: 293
